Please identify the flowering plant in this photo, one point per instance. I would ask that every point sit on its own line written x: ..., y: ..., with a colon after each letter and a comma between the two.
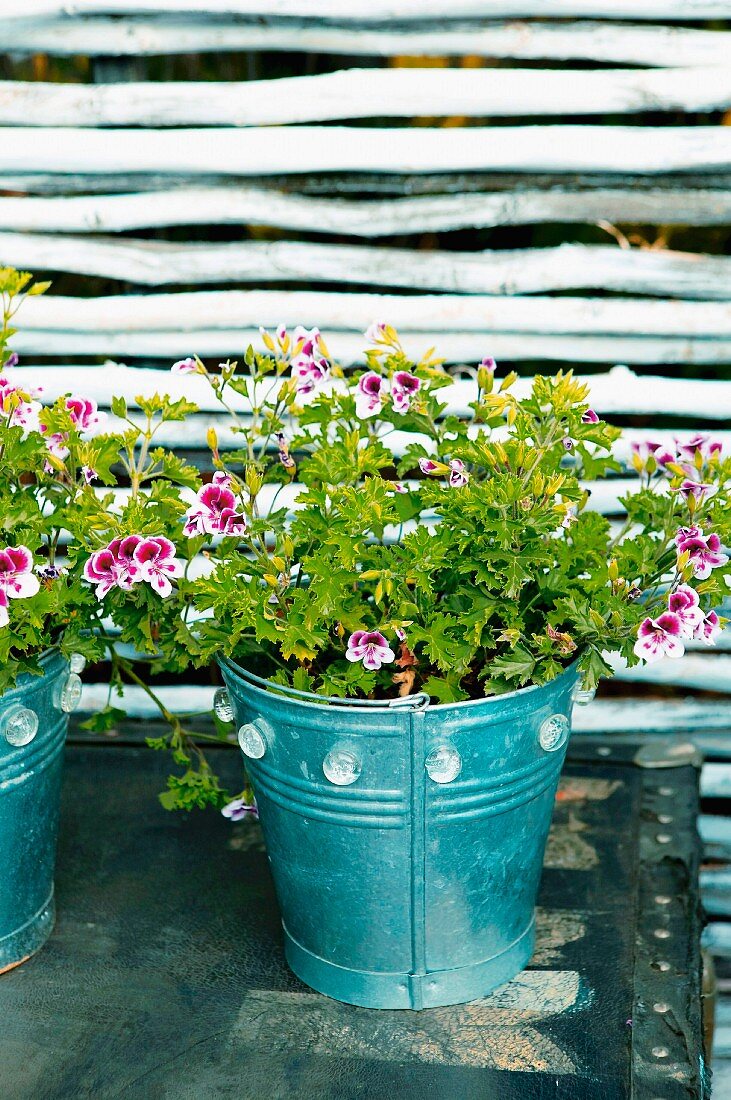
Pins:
x: 366, y: 536
x: 366, y: 541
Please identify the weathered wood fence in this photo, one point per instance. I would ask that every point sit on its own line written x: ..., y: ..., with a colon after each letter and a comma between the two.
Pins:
x: 364, y: 162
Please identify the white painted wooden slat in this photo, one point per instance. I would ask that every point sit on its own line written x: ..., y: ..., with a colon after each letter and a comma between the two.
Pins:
x: 383, y: 10
x: 372, y: 218
x: 609, y: 716
x: 651, y: 715
x: 454, y: 347
x: 704, y: 672
x: 224, y: 309
x: 139, y: 37
x: 266, y: 150
x: 619, y: 391
x: 523, y: 271
x: 354, y: 93
x: 716, y: 783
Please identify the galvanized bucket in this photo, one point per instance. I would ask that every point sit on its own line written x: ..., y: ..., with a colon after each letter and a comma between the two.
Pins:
x: 406, y: 841
x: 33, y: 723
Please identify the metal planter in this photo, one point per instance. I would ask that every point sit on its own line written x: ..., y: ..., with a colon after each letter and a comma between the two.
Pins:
x: 32, y: 734
x: 406, y: 842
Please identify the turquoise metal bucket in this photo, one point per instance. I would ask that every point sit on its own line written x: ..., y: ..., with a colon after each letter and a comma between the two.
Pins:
x: 406, y: 841
x: 32, y: 734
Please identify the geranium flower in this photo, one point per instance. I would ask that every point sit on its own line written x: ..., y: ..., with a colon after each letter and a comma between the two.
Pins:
x: 11, y: 361
x: 374, y: 332
x: 661, y: 637
x: 684, y: 602
x: 370, y: 647
x: 403, y: 388
x: 488, y: 363
x: 589, y: 417
x: 458, y: 476
x: 692, y: 488
x: 369, y: 395
x: 17, y: 579
x: 708, y: 630
x: 704, y: 551
x: 429, y: 466
x: 699, y: 443
x: 156, y: 559
x: 20, y: 407
x: 215, y: 511
x: 84, y: 413
x: 238, y: 809
x: 114, y: 565
x: 184, y: 366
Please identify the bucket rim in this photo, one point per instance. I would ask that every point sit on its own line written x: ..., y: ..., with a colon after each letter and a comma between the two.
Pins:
x: 419, y: 702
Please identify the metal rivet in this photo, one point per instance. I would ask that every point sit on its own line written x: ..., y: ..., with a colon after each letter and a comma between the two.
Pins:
x: 660, y: 1052
x: 69, y: 694
x: 666, y: 791
x: 19, y: 725
x: 663, y: 838
x: 77, y: 662
x: 223, y: 706
x: 251, y: 741
x: 661, y: 1006
x: 443, y: 764
x: 554, y: 732
x: 661, y: 934
x: 665, y: 819
x: 660, y: 964
x: 603, y: 750
x: 582, y: 696
x: 662, y: 899
x: 342, y: 766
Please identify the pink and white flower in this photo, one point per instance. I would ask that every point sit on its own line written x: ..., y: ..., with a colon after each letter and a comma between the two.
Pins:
x: 690, y: 487
x: 239, y: 808
x: 488, y: 363
x: 429, y: 466
x: 661, y: 637
x: 369, y: 395
x: 708, y: 630
x: 17, y: 579
x: 589, y: 417
x: 403, y: 388
x: 185, y: 366
x: 458, y: 476
x: 702, y: 444
x: 11, y: 361
x: 685, y: 603
x: 156, y: 559
x: 370, y: 647
x: 374, y: 332
x: 20, y: 406
x: 114, y: 565
x: 216, y: 511
x: 84, y: 413
x: 704, y: 551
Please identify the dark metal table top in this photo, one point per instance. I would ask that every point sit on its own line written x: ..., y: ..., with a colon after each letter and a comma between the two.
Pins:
x: 165, y: 976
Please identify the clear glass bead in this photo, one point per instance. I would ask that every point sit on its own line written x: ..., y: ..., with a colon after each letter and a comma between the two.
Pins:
x: 70, y: 694
x: 342, y: 767
x: 19, y: 725
x: 554, y: 732
x: 77, y: 662
x: 443, y: 764
x: 251, y: 741
x: 222, y: 705
x: 582, y: 696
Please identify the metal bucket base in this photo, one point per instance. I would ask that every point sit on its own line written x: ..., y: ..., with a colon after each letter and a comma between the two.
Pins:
x: 430, y: 990
x: 24, y: 942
